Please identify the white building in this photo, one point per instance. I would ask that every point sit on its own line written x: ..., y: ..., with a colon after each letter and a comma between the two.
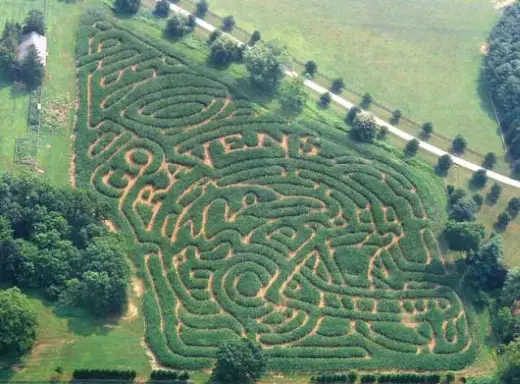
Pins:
x: 37, y: 41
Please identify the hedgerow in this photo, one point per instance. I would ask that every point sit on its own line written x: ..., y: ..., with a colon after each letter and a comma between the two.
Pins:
x: 247, y: 225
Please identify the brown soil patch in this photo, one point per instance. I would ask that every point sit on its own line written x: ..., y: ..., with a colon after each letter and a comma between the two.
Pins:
x: 131, y: 312
x: 72, y: 168
x: 484, y: 49
x: 111, y: 226
x: 138, y: 286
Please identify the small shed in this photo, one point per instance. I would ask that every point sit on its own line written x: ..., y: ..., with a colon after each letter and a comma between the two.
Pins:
x: 37, y: 41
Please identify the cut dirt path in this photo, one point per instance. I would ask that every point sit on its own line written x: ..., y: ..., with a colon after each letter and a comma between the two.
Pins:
x: 392, y: 129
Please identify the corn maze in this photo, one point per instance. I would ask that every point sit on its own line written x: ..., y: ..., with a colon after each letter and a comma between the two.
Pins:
x: 249, y: 226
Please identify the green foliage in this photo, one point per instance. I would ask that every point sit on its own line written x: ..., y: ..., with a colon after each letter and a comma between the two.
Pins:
x: 444, y: 164
x: 58, y: 243
x: 18, y: 323
x: 427, y: 130
x: 503, y: 220
x: 367, y: 100
x: 311, y: 68
x: 228, y: 23
x: 464, y: 236
x: 486, y: 267
x: 513, y: 207
x: 509, y: 369
x: 31, y: 70
x: 494, y: 193
x: 177, y: 26
x: 293, y: 96
x: 412, y: 147
x: 501, y: 74
x: 162, y: 8
x: 103, y: 374
x: 459, y: 145
x: 364, y: 127
x: 256, y: 36
x: 247, y: 225
x: 239, y: 362
x: 396, y: 116
x: 202, y: 8
x: 489, y: 160
x: 224, y: 50
x: 127, y: 6
x: 479, y: 178
x: 265, y: 63
x: 325, y: 100
x: 34, y: 22
x: 337, y: 85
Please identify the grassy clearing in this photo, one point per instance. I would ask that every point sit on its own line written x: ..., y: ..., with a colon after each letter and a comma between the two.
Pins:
x: 73, y: 340
x: 420, y: 56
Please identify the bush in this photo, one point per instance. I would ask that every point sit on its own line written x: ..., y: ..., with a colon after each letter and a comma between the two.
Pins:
x: 396, y: 116
x: 427, y: 130
x: 367, y: 100
x: 494, y: 193
x: 489, y: 161
x: 325, y: 100
x: 444, y: 164
x: 202, y: 8
x: 103, y: 374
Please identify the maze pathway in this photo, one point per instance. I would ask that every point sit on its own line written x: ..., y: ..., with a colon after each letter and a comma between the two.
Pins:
x: 249, y: 226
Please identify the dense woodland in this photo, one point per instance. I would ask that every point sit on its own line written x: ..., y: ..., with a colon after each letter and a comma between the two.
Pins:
x: 54, y: 240
x: 503, y: 75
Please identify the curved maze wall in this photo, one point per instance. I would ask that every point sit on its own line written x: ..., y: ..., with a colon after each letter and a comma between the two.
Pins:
x: 248, y: 226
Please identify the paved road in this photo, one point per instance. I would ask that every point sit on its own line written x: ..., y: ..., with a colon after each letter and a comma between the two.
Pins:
x: 392, y: 129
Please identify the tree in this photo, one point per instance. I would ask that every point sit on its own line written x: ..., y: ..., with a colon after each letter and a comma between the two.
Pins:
x: 505, y: 324
x: 239, y: 362
x: 486, y: 265
x: 444, y: 164
x: 463, y: 210
x: 127, y: 6
x: 367, y: 100
x: 503, y: 221
x: 412, y: 147
x: 228, y: 23
x: 255, y: 37
x: 383, y: 132
x: 489, y: 160
x: 337, y: 85
x: 162, y: 8
x: 427, y: 130
x: 351, y: 115
x: 31, y: 69
x: 176, y: 26
x: 18, y: 323
x: 311, y: 68
x: 509, y: 368
x: 364, y: 127
x: 265, y: 63
x: 34, y: 22
x: 513, y: 207
x: 225, y: 50
x: 293, y: 95
x: 511, y: 288
x: 191, y: 22
x: 396, y: 116
x: 479, y: 178
x: 202, y: 8
x: 325, y: 99
x: 459, y: 144
x: 478, y: 199
x: 494, y: 193
x: 103, y: 279
x: 214, y: 35
x: 464, y: 236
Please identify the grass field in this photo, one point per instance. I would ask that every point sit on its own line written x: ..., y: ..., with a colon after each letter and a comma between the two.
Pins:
x: 420, y: 56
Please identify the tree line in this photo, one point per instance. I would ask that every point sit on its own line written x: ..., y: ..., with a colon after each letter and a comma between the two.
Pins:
x: 502, y: 70
x: 28, y: 70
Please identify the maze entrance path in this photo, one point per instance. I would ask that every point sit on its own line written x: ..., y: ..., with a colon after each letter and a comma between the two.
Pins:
x: 246, y: 226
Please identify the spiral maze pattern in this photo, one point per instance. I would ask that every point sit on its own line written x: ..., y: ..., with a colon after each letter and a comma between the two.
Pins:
x: 249, y: 226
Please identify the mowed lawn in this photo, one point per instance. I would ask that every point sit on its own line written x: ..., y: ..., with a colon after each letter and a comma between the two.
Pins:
x: 422, y: 56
